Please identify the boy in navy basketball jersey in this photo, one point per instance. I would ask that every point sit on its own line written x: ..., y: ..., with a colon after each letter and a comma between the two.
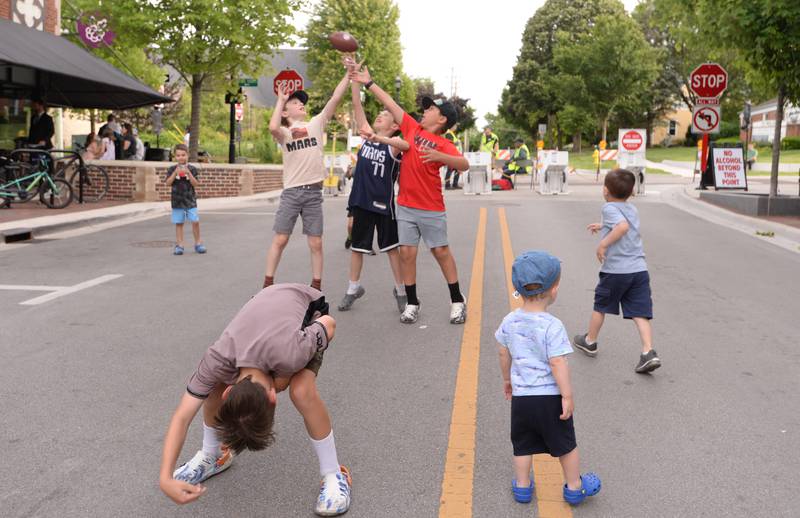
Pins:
x: 372, y: 199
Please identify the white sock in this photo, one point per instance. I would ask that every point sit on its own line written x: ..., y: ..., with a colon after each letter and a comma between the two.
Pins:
x: 352, y: 288
x: 211, y: 443
x: 326, y: 453
x: 401, y: 289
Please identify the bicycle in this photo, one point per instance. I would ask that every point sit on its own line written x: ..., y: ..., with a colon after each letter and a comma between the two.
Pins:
x: 94, y: 178
x: 34, y: 180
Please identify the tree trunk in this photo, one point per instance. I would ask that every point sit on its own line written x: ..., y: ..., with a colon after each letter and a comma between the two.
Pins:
x: 605, y: 128
x: 576, y: 142
x: 194, y: 130
x: 551, y: 128
x: 776, y: 143
x: 92, y: 116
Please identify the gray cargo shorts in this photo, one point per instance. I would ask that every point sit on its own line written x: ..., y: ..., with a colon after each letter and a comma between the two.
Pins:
x: 305, y: 201
x: 430, y: 225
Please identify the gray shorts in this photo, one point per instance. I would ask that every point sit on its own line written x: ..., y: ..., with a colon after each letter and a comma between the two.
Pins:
x: 430, y: 225
x: 305, y: 201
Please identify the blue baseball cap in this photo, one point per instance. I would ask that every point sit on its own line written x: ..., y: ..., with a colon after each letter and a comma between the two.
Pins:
x: 535, y: 267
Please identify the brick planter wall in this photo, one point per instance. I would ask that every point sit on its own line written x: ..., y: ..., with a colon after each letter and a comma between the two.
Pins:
x: 144, y: 181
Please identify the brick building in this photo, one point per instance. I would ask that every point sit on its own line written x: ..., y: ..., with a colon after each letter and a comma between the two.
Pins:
x: 762, y: 118
x: 42, y: 15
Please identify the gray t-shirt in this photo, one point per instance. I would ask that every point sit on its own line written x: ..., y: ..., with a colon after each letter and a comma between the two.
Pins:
x: 274, y: 332
x: 627, y: 254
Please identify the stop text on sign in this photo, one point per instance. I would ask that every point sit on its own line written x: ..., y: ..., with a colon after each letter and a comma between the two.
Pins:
x: 292, y: 85
x: 708, y: 80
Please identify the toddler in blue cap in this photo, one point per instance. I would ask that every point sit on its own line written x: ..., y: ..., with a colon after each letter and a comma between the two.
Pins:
x: 533, y: 349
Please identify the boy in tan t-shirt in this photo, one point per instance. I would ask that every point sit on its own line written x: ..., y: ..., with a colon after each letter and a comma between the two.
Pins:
x: 303, y: 173
x: 236, y: 383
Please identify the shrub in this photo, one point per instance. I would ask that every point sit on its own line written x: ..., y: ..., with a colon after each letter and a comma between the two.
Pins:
x: 790, y: 143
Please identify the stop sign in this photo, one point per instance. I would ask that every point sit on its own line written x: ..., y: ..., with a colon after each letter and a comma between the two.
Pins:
x: 708, y: 80
x: 632, y: 141
x: 290, y: 78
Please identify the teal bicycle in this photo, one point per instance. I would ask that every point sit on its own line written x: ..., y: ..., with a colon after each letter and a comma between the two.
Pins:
x: 23, y: 181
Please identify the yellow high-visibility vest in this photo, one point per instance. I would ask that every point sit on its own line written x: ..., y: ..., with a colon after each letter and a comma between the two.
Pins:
x: 488, y: 144
x: 512, y: 166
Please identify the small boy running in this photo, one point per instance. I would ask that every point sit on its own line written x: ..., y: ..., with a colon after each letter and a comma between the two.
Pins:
x: 182, y: 178
x: 420, y: 204
x: 303, y: 174
x: 533, y: 349
x: 372, y: 199
x: 624, y: 279
x: 236, y: 384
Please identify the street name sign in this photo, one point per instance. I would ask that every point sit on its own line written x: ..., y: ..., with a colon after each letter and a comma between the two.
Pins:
x: 248, y: 82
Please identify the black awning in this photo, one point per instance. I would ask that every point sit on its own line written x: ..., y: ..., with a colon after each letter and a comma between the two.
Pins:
x: 33, y: 61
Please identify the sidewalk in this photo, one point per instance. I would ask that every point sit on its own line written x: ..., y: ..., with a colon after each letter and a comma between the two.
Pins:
x: 43, y: 221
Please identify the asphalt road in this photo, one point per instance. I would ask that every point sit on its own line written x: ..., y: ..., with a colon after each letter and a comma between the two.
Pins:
x: 88, y: 381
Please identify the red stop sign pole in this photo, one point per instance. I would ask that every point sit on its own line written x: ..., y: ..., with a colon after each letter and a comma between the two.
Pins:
x: 289, y: 78
x: 708, y: 80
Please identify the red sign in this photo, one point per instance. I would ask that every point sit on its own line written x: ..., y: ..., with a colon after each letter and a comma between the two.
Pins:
x: 708, y: 80
x: 290, y: 78
x: 632, y: 141
x: 239, y: 111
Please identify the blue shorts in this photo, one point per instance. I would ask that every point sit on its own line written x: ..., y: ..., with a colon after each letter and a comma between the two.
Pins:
x: 631, y: 290
x: 181, y: 215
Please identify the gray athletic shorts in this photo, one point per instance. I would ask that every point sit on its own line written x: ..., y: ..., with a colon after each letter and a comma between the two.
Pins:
x: 430, y: 225
x: 305, y: 201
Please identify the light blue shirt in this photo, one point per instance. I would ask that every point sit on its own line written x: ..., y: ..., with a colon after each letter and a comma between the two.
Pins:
x: 532, y: 339
x: 627, y: 254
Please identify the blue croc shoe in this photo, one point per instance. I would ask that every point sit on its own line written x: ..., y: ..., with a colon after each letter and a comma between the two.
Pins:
x: 590, y: 486
x: 200, y: 249
x: 522, y: 495
x: 178, y: 250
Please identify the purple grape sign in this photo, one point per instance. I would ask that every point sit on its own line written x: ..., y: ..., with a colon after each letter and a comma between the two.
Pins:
x: 95, y: 29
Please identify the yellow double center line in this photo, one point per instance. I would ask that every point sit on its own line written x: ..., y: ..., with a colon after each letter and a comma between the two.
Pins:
x: 457, y: 488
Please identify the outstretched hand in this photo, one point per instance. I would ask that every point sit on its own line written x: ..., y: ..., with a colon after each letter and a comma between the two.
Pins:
x: 283, y: 93
x: 367, y: 133
x: 360, y: 74
x: 594, y: 228
x: 431, y: 155
x: 181, y: 492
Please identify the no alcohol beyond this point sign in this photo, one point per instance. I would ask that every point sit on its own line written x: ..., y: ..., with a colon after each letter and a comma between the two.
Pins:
x: 705, y: 118
x: 290, y: 78
x: 708, y: 80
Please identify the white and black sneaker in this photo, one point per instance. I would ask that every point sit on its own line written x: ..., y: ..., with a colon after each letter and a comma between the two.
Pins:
x: 402, y: 300
x: 349, y: 298
x: 648, y: 362
x: 410, y: 314
x: 583, y: 345
x: 458, y: 312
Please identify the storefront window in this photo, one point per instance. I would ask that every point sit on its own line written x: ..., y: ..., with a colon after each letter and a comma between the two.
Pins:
x: 13, y: 122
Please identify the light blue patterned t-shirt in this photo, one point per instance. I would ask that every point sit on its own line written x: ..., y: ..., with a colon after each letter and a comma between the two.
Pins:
x: 532, y: 339
x: 627, y: 254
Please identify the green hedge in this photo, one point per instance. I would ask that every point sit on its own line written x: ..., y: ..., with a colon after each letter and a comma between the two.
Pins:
x: 790, y: 143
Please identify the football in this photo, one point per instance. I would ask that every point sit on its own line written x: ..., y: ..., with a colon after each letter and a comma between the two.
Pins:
x: 343, y: 41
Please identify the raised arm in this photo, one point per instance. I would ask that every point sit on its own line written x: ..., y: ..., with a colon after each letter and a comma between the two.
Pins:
x: 275, y: 120
x: 330, y: 108
x: 358, y: 108
x: 180, y: 492
x: 362, y: 76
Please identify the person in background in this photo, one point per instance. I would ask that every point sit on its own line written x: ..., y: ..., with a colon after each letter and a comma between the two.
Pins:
x: 752, y: 155
x: 42, y: 129
x: 93, y: 147
x: 186, y: 136
x: 139, y: 146
x: 109, y: 151
x: 451, y: 136
x: 128, y: 142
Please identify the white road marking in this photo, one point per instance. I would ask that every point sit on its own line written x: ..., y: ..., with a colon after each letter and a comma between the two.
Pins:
x: 239, y: 213
x: 70, y: 289
x: 29, y: 287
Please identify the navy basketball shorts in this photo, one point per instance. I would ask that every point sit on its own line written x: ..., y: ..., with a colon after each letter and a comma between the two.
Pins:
x: 629, y: 290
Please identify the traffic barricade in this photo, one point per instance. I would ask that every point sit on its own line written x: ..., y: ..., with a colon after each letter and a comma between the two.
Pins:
x: 553, y: 175
x: 337, y: 166
x: 478, y: 178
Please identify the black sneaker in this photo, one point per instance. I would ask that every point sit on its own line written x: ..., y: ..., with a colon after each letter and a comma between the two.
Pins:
x: 648, y: 362
x: 583, y: 345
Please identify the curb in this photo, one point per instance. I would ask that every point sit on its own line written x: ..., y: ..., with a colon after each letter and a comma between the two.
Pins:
x: 43, y: 225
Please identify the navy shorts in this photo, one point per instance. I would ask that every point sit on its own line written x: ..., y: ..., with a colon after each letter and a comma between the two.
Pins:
x: 537, y: 428
x: 631, y: 290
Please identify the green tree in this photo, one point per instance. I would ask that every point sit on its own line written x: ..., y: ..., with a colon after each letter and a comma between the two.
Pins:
x: 610, y: 65
x: 766, y: 33
x: 205, y: 40
x: 374, y: 23
x: 532, y: 94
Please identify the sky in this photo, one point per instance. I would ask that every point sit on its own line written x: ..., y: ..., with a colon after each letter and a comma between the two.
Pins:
x: 476, y: 56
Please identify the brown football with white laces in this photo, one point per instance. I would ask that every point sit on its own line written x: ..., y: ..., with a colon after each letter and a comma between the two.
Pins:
x: 343, y: 41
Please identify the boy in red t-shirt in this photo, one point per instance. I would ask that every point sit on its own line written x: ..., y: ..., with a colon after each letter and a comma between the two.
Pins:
x: 420, y: 204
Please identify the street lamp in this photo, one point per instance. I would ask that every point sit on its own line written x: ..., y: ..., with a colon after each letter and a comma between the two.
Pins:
x: 398, y: 82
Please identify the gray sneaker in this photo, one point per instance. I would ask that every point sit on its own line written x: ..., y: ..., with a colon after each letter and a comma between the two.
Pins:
x: 402, y: 300
x: 458, y: 312
x: 583, y: 345
x: 648, y: 362
x: 347, y: 301
x: 410, y: 314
